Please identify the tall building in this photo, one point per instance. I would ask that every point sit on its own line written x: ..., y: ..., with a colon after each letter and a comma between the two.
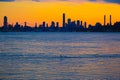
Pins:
x: 25, y: 24
x: 36, y: 25
x: 17, y: 24
x: 69, y: 21
x: 47, y: 25
x: 110, y: 20
x: 43, y: 25
x: 104, y: 20
x: 57, y: 24
x: 63, y: 20
x: 52, y: 24
x: 5, y: 21
x: 85, y: 25
x: 81, y: 23
x: 78, y: 23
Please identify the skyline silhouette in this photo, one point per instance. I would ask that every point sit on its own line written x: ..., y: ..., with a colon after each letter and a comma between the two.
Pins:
x: 69, y: 26
x: 35, y: 12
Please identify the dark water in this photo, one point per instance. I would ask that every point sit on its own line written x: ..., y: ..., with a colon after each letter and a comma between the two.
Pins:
x: 59, y: 56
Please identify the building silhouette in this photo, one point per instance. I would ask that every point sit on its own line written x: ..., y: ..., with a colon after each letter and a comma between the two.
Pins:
x: 69, y: 26
x: 81, y: 23
x: 104, y: 20
x: 110, y: 20
x: 78, y: 23
x: 85, y: 25
x: 5, y: 23
x: 43, y: 25
x: 63, y: 20
x: 57, y: 25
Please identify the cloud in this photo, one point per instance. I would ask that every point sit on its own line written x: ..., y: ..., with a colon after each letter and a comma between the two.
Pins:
x: 61, y: 0
x: 40, y: 0
x: 50, y: 0
x: 109, y: 1
x: 113, y: 1
x: 6, y: 0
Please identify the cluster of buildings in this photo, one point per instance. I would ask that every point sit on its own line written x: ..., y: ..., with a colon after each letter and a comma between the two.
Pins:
x: 69, y: 26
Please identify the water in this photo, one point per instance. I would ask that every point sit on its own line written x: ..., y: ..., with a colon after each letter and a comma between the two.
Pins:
x: 59, y: 56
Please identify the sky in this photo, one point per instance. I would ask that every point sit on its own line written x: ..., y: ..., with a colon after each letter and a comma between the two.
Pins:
x: 37, y: 11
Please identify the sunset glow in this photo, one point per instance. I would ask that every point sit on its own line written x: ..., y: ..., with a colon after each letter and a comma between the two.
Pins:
x: 36, y: 12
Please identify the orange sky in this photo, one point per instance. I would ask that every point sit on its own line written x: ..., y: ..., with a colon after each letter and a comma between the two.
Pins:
x: 37, y: 12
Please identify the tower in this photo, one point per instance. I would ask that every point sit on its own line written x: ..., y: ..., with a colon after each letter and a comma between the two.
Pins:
x: 78, y: 23
x: 47, y: 25
x: 63, y: 20
x: 57, y: 24
x: 5, y: 21
x: 25, y: 24
x: 43, y: 25
x: 52, y: 24
x: 35, y: 25
x: 110, y: 20
x: 69, y: 21
x: 85, y: 25
x: 104, y: 20
x: 81, y: 23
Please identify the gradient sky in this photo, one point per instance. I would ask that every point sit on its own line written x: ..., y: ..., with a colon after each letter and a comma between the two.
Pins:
x: 37, y: 11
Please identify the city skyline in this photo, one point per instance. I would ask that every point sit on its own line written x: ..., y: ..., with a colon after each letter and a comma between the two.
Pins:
x: 64, y: 22
x: 69, y: 26
x: 36, y: 11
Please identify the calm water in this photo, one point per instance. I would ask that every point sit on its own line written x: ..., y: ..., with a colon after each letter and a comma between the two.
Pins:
x: 59, y: 56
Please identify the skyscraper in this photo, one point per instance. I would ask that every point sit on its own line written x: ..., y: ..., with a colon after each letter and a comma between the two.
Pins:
x: 85, y: 25
x: 52, y: 24
x: 25, y: 24
x: 47, y: 25
x: 5, y: 21
x: 104, y: 20
x: 43, y: 25
x: 81, y: 23
x: 78, y: 23
x: 69, y: 21
x: 110, y: 20
x: 63, y: 20
x: 35, y: 25
x: 57, y: 24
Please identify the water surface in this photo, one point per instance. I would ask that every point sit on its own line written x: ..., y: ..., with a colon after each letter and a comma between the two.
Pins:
x: 59, y: 56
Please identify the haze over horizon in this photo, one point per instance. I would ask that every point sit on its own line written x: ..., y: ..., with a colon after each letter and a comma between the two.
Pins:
x: 37, y: 11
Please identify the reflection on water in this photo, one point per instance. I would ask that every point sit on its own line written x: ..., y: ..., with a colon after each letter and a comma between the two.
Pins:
x: 60, y: 56
x: 60, y: 43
